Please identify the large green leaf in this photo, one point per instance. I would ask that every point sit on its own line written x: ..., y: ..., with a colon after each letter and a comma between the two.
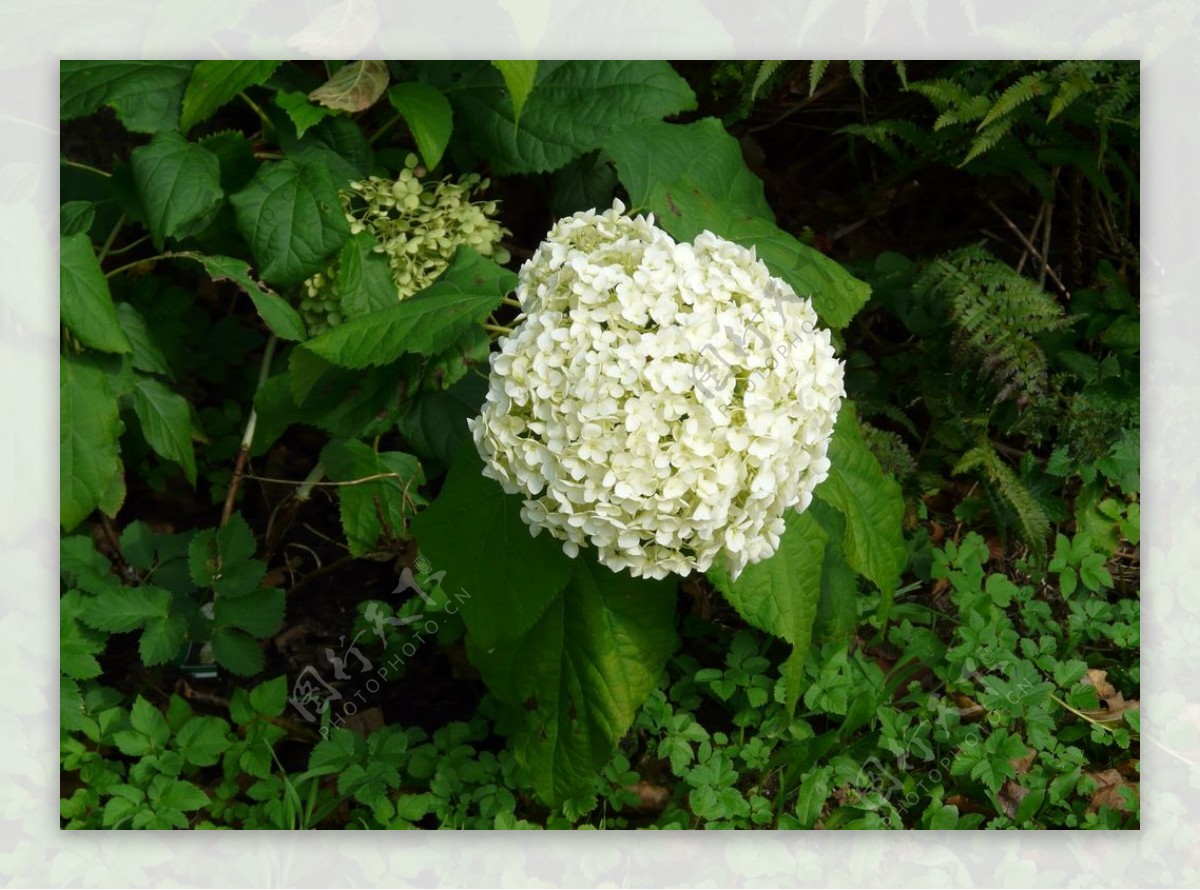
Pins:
x: 179, y: 184
x: 292, y: 219
x: 259, y: 613
x: 301, y: 111
x: 572, y: 107
x: 871, y: 502
x: 365, y: 507
x: 519, y: 76
x: 166, y: 421
x: 214, y: 83
x: 237, y: 652
x: 364, y: 277
x: 146, y: 354
x: 434, y: 424
x: 87, y: 306
x: 429, y: 117
x: 780, y: 594
x: 125, y: 608
x: 475, y: 533
x: 425, y: 324
x: 281, y: 317
x: 145, y: 95
x: 693, y: 177
x: 579, y: 675
x: 89, y: 425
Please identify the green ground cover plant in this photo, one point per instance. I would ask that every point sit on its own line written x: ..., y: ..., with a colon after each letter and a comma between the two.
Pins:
x: 316, y: 323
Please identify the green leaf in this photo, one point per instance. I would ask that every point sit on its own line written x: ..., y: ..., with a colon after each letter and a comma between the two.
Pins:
x: 693, y: 178
x: 518, y: 76
x: 203, y: 559
x: 179, y: 184
x: 179, y: 794
x: 162, y: 639
x: 366, y: 507
x: 302, y: 112
x: 237, y: 652
x: 434, y: 424
x: 76, y: 217
x: 82, y: 566
x: 475, y: 531
x: 259, y: 613
x: 77, y: 645
x: 202, y: 740
x: 870, y: 501
x: 148, y: 720
x: 577, y: 677
x: 145, y: 95
x: 364, y: 278
x: 291, y: 217
x: 780, y: 594
x: 280, y: 316
x: 355, y: 87
x: 146, y: 354
x: 166, y: 421
x: 235, y: 541
x: 572, y: 108
x: 428, y: 114
x: 214, y: 83
x: 425, y: 324
x: 125, y: 608
x: 269, y: 698
x: 88, y: 430
x: 87, y: 307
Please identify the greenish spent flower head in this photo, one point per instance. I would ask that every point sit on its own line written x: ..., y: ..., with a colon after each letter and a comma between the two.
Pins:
x: 418, y: 224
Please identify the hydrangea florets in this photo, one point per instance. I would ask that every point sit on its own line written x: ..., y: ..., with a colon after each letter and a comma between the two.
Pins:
x: 664, y: 402
x: 418, y: 224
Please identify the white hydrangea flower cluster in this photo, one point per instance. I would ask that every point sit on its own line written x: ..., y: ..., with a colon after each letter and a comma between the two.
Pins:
x: 664, y: 402
x: 418, y: 224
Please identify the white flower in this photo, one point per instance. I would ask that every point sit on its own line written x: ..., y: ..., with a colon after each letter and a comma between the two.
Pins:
x: 663, y: 403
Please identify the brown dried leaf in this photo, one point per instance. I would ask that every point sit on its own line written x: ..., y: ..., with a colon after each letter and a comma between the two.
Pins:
x: 1112, y: 703
x: 356, y: 86
x: 651, y: 798
x: 1108, y: 793
x: 1022, y: 764
x: 1010, y: 797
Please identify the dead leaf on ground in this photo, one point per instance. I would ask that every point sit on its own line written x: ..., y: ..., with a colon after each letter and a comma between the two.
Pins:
x: 651, y: 798
x: 1010, y: 797
x: 1022, y: 764
x: 1108, y: 794
x: 1112, y: 703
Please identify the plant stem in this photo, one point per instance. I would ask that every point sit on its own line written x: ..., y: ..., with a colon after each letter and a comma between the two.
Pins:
x: 387, y: 126
x: 112, y: 236
x: 248, y: 437
x: 262, y: 115
x: 497, y: 329
x: 66, y: 162
x: 135, y: 263
x: 304, y: 492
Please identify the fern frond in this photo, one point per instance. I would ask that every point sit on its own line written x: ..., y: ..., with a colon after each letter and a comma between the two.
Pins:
x: 816, y: 70
x: 1015, y: 96
x: 766, y: 70
x: 987, y: 140
x: 943, y: 94
x: 858, y: 70
x: 1033, y: 525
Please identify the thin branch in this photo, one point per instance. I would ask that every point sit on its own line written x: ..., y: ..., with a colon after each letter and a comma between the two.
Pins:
x: 248, y: 437
x: 1029, y: 246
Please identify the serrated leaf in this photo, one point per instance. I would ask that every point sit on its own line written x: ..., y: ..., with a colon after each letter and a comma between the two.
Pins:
x: 355, y: 86
x: 202, y: 740
x: 203, y: 559
x: 239, y: 579
x: 475, y: 530
x: 213, y: 83
x: 578, y: 676
x: 82, y: 566
x: 425, y: 324
x: 146, y: 96
x: 301, y: 111
x: 162, y: 639
x: 519, y: 76
x: 146, y: 354
x: 77, y: 645
x: 573, y: 106
x: 259, y: 613
x: 430, y: 119
x: 235, y: 541
x: 693, y: 177
x: 166, y: 421
x: 180, y: 794
x: 148, y: 720
x: 368, y: 506
x: 871, y: 502
x: 125, y: 608
x: 270, y: 697
x: 88, y: 430
x: 780, y: 594
x: 86, y: 304
x: 237, y: 652
x: 280, y: 316
x: 292, y: 219
x: 179, y: 184
x: 364, y: 278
